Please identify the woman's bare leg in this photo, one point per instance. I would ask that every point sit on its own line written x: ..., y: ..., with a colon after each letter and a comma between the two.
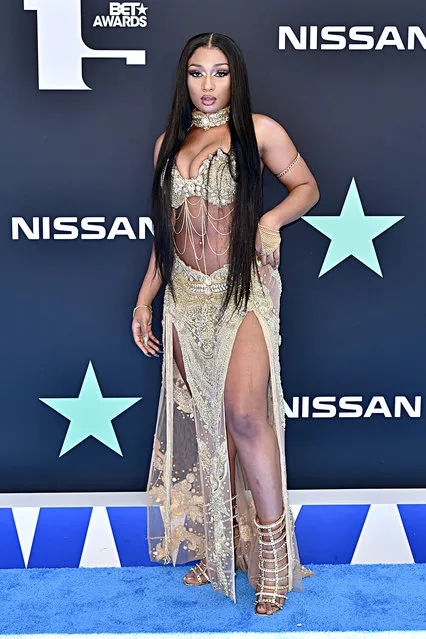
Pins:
x: 246, y: 419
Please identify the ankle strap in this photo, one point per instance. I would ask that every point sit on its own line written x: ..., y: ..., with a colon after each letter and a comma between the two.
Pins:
x: 268, y: 527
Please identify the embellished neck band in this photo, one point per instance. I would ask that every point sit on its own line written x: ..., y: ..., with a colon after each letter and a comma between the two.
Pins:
x: 207, y: 120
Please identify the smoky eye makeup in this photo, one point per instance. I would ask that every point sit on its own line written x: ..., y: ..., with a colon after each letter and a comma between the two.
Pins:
x: 222, y: 73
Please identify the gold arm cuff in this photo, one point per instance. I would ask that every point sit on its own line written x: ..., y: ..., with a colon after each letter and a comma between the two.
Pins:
x: 270, y: 239
x: 290, y: 166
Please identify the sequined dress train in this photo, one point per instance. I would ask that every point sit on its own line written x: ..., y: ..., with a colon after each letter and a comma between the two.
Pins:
x: 190, y: 515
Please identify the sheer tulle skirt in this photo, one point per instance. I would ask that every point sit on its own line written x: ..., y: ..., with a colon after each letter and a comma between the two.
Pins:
x: 190, y: 515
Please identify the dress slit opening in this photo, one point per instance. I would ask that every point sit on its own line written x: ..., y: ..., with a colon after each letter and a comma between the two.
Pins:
x: 190, y: 515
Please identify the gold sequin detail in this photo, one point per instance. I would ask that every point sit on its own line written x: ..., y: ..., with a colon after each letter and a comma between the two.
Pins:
x: 216, y: 186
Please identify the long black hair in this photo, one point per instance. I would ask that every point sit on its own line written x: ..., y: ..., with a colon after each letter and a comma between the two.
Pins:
x: 248, y: 200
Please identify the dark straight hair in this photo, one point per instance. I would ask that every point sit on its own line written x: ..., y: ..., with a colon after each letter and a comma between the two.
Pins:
x: 248, y: 200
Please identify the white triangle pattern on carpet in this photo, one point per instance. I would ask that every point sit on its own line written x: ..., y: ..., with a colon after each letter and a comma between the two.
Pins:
x: 99, y: 549
x: 26, y: 518
x: 295, y: 510
x: 383, y: 539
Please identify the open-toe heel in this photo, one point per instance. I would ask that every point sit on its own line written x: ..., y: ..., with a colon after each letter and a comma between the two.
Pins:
x: 272, y: 585
x: 200, y: 573
x: 200, y: 570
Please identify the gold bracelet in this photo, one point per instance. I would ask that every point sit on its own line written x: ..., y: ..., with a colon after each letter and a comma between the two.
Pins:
x: 270, y: 239
x: 144, y: 305
x: 290, y: 166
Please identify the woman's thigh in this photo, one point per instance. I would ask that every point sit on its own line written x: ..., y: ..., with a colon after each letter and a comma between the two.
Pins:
x: 178, y: 357
x: 247, y: 378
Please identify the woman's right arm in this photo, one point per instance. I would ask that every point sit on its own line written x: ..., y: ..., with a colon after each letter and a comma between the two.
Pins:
x: 142, y: 320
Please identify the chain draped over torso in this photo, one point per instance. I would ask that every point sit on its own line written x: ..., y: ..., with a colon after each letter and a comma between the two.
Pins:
x: 202, y: 212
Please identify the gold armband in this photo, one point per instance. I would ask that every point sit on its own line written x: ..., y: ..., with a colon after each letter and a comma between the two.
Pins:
x: 290, y: 166
x: 270, y: 239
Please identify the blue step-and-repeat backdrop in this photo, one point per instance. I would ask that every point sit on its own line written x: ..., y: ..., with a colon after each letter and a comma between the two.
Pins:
x: 86, y: 88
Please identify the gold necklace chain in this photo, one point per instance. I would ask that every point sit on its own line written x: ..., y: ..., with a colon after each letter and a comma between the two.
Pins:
x: 189, y: 230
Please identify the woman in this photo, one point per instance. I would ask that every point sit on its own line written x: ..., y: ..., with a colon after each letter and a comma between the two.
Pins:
x: 218, y: 477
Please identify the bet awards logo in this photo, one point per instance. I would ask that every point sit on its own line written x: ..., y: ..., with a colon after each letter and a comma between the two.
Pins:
x: 61, y: 48
x: 123, y: 14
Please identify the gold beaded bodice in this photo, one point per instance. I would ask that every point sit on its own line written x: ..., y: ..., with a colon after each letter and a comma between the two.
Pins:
x: 214, y: 182
x: 202, y: 211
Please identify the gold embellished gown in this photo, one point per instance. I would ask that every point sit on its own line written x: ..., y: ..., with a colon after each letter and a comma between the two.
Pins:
x: 190, y: 515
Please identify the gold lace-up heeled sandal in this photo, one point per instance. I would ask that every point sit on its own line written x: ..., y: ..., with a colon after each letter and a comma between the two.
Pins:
x: 272, y: 584
x: 200, y: 569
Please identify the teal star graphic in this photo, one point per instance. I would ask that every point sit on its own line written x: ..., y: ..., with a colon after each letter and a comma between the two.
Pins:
x: 352, y: 232
x: 90, y: 413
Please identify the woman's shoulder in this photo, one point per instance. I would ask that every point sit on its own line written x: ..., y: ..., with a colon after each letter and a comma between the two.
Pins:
x: 264, y: 123
x: 267, y: 129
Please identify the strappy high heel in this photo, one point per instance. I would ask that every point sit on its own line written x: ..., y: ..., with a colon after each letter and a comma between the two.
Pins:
x: 273, y: 560
x: 200, y: 569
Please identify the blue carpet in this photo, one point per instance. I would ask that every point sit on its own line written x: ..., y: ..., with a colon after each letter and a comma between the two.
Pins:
x: 154, y: 600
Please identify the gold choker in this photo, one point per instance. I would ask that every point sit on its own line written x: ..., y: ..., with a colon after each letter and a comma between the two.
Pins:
x: 207, y: 120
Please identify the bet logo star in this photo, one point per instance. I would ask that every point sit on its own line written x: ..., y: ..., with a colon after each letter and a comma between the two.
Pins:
x: 352, y: 232
x: 90, y: 413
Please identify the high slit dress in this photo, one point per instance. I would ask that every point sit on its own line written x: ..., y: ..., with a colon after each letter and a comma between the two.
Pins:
x: 190, y: 513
